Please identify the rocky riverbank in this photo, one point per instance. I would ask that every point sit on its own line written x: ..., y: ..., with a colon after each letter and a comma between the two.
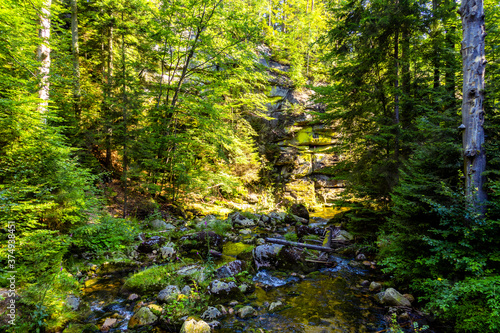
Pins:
x: 220, y: 274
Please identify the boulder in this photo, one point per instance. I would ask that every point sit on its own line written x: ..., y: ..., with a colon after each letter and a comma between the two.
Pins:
x: 392, y: 297
x: 73, y: 302
x: 167, y: 252
x: 151, y: 244
x: 168, y: 294
x: 246, y: 312
x: 300, y: 210
x: 144, y: 316
x: 344, y: 236
x: 375, y: 287
x: 230, y: 269
x: 266, y: 256
x: 192, y: 325
x: 109, y: 323
x: 241, y: 221
x: 186, y: 290
x: 223, y: 290
x: 211, y: 313
x: 276, y: 306
x: 158, y: 224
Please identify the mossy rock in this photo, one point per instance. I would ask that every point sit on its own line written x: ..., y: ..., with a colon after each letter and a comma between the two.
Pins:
x: 193, y: 325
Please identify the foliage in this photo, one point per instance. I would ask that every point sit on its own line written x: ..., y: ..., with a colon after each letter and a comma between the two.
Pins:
x: 291, y: 236
x: 105, y: 235
x: 472, y: 305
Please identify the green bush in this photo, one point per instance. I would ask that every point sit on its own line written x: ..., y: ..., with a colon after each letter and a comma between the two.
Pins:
x: 107, y: 235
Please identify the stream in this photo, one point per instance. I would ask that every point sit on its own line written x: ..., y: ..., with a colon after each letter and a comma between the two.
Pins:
x: 327, y: 300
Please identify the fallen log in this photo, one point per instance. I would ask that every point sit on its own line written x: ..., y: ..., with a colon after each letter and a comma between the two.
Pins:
x: 307, y: 246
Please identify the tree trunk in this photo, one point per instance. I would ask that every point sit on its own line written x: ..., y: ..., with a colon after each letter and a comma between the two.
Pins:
x: 76, y: 54
x: 473, y: 61
x: 43, y: 55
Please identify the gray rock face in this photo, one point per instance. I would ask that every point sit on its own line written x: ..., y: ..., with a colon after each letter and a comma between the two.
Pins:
x: 168, y: 294
x: 266, y: 256
x: 247, y: 312
x: 276, y: 306
x: 211, y: 313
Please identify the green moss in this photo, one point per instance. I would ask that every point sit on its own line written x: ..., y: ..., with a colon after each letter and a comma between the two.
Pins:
x: 152, y: 279
x: 234, y: 249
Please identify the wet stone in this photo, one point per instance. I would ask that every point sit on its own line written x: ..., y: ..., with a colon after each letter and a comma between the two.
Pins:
x: 168, y: 294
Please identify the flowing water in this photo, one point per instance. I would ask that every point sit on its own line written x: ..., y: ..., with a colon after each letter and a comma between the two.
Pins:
x: 329, y: 300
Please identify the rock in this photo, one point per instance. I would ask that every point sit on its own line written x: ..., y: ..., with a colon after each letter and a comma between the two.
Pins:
x: 392, y: 297
x: 168, y: 294
x: 109, y: 323
x: 222, y: 309
x: 375, y: 287
x: 344, y: 235
x: 192, y: 325
x: 142, y: 317
x: 211, y: 313
x: 361, y: 257
x: 294, y: 219
x: 151, y: 244
x: 132, y: 297
x: 266, y: 256
x: 245, y: 231
x: 186, y: 290
x: 290, y: 258
x: 276, y: 306
x: 230, y: 269
x: 223, y: 290
x: 194, y: 271
x: 365, y: 283
x: 167, y: 252
x: 214, y: 324
x: 303, y: 230
x: 300, y: 210
x: 73, y: 302
x: 241, y: 221
x: 247, y: 312
x: 243, y: 288
x: 409, y: 297
x: 155, y: 308
x: 158, y: 224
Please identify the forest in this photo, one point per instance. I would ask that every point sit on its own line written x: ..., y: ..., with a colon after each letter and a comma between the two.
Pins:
x: 128, y: 123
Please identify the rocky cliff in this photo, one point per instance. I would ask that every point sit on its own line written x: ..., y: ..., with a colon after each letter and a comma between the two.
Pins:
x: 300, y: 149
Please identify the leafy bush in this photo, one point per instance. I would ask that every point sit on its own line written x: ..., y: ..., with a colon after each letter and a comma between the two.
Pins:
x: 473, y: 304
x: 108, y: 235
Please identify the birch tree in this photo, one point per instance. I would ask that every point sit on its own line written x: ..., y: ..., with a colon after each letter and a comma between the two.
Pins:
x: 473, y: 61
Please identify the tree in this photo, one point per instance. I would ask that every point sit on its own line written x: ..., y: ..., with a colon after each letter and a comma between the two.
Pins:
x: 44, y: 57
x: 474, y: 61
